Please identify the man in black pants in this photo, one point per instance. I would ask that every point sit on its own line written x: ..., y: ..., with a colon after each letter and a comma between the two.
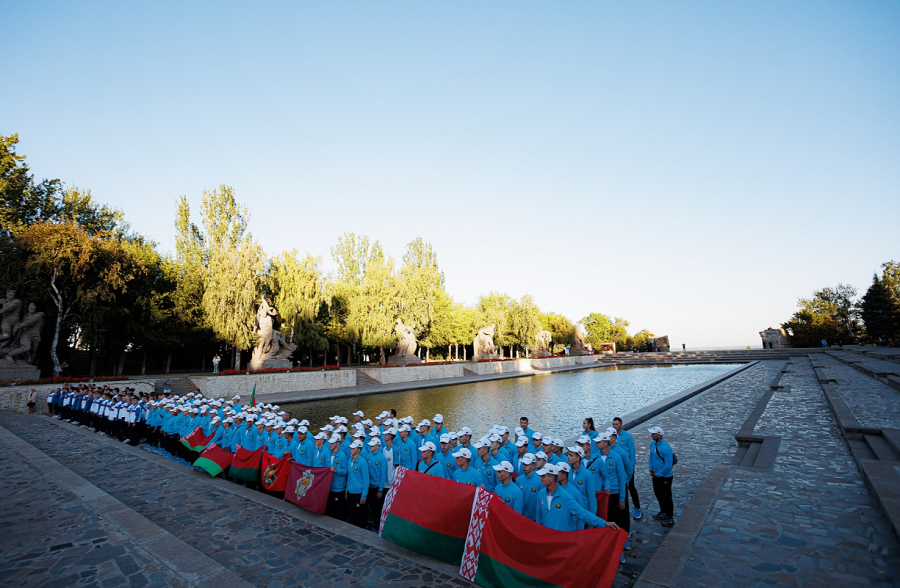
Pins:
x: 661, y: 458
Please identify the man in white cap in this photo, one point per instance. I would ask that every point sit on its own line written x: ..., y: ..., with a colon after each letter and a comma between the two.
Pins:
x: 484, y: 463
x: 358, y: 416
x: 391, y: 454
x: 377, y: 480
x: 557, y: 509
x: 357, y: 485
x: 337, y: 495
x: 465, y: 473
x: 536, y: 442
x: 626, y: 441
x: 429, y: 465
x: 438, y: 429
x: 322, y: 451
x: 464, y: 438
x: 505, y: 489
x: 661, y: 462
x: 612, y: 470
x: 581, y: 479
x: 445, y: 456
x: 406, y: 448
x: 529, y: 484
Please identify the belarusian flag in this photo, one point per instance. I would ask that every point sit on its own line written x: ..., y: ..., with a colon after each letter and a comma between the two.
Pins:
x: 214, y: 460
x: 413, y: 519
x: 245, y: 465
x: 196, y: 440
x: 253, y: 396
x: 273, y: 472
x: 505, y: 549
x: 308, y: 487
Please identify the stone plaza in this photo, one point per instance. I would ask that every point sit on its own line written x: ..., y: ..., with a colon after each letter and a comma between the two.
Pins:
x: 787, y: 476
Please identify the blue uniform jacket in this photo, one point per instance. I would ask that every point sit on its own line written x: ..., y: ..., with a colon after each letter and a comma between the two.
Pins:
x: 661, y: 458
x: 358, y: 476
x: 377, y: 469
x: 469, y: 476
x: 530, y: 486
x: 487, y: 472
x: 510, y: 494
x: 433, y: 469
x: 562, y: 511
x: 338, y: 461
x: 613, y: 474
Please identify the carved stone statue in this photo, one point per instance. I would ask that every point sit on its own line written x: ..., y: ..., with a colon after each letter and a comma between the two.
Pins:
x: 578, y: 347
x: 542, y: 344
x: 484, y: 344
x: 25, y: 337
x: 406, y: 345
x: 272, y: 349
x: 10, y: 314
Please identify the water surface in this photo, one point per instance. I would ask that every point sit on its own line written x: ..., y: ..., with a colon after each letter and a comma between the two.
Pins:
x: 555, y: 403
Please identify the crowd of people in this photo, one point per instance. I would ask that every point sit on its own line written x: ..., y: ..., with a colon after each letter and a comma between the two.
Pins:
x: 559, y: 486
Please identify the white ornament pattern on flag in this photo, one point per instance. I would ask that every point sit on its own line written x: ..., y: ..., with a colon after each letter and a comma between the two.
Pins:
x: 480, y: 508
x: 399, y: 472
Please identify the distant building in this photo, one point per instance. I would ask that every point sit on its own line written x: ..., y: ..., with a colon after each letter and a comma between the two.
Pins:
x: 775, y: 338
x: 658, y: 343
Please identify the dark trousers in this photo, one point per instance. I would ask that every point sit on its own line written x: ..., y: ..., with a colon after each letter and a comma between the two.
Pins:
x: 632, y: 490
x: 619, y: 516
x: 662, y: 488
x: 357, y: 510
x: 337, y: 505
x: 375, y: 505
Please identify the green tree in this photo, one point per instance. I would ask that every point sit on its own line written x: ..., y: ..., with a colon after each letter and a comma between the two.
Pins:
x: 641, y: 340
x: 374, y: 311
x: 562, y: 329
x: 235, y: 264
x: 830, y: 314
x: 422, y: 284
x: 880, y: 306
x: 524, y: 323
x: 618, y: 332
x: 353, y: 255
x: 495, y: 309
x: 599, y: 329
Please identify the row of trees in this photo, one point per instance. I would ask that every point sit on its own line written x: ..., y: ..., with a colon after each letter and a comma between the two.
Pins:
x: 110, y: 294
x: 838, y: 316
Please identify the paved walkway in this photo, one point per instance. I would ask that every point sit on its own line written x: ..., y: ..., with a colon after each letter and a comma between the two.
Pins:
x: 808, y: 520
x: 265, y: 541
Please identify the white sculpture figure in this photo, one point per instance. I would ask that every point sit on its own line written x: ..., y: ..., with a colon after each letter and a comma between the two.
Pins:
x: 271, y: 344
x: 484, y: 344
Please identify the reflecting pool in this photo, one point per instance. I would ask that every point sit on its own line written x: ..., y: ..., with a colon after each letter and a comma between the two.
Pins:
x: 555, y: 403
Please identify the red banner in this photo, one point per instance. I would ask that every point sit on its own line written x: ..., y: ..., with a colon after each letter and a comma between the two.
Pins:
x: 196, y: 440
x: 505, y: 549
x: 427, y: 514
x: 308, y: 487
x: 245, y: 465
x: 273, y: 472
x: 602, y: 503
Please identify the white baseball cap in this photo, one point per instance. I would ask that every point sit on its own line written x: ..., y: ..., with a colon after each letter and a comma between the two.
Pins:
x: 611, y: 431
x: 335, y: 439
x: 445, y: 438
x: 576, y: 449
x: 655, y: 430
x: 504, y: 466
x: 548, y: 468
x: 465, y: 431
x: 463, y: 452
x: 521, y: 441
x: 479, y: 444
x: 320, y: 436
x: 583, y: 439
x: 540, y: 455
x: 392, y: 432
x: 356, y: 444
x: 439, y: 418
x: 374, y: 441
x: 359, y: 413
x: 428, y: 446
x: 601, y: 437
x: 527, y: 458
x: 563, y: 467
x: 537, y: 435
x: 289, y: 429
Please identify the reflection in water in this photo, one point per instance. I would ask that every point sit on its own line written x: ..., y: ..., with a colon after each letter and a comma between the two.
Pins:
x: 554, y: 403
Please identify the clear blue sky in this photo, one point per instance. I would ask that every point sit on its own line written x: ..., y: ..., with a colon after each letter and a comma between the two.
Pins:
x: 693, y: 167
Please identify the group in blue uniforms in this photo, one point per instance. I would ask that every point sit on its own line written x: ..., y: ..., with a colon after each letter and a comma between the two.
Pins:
x: 534, y: 473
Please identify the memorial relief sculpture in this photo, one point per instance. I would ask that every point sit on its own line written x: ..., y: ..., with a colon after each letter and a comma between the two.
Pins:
x: 542, y: 343
x: 271, y: 345
x: 10, y: 315
x: 578, y: 347
x: 484, y: 344
x: 26, y: 335
x: 406, y: 344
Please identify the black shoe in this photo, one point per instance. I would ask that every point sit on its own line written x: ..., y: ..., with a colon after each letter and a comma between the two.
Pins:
x: 668, y: 523
x: 660, y: 516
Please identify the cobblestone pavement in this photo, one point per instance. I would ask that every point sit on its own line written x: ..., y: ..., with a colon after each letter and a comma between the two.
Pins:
x: 873, y: 403
x: 51, y: 539
x: 262, y: 545
x: 809, y: 521
x: 701, y: 431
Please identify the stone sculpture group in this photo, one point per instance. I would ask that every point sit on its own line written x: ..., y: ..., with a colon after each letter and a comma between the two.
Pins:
x: 406, y: 345
x: 484, y: 344
x: 272, y: 349
x: 19, y: 334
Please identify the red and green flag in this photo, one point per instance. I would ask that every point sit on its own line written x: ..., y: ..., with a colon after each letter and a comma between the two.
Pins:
x: 214, y: 460
x: 411, y: 517
x: 308, y: 487
x: 503, y: 549
x: 196, y: 440
x: 253, y: 396
x: 245, y: 465
x: 274, y: 472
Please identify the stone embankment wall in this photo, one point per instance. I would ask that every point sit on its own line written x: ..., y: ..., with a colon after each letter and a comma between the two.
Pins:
x: 16, y: 397
x: 277, y: 383
x: 396, y: 375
